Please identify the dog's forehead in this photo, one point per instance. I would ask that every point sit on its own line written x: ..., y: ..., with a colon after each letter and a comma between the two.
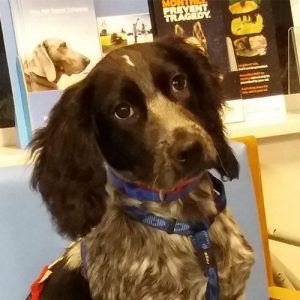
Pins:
x: 127, y: 64
x: 142, y: 63
x: 139, y: 56
x: 128, y: 60
x: 52, y: 42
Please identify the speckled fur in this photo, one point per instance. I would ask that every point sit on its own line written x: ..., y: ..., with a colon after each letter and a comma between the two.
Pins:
x: 128, y: 260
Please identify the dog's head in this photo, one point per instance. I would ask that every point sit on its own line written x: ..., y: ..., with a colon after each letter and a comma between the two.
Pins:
x: 149, y: 111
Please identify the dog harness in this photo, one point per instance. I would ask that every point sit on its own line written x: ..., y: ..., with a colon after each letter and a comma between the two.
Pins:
x: 36, y: 288
x: 197, y: 231
x: 38, y: 285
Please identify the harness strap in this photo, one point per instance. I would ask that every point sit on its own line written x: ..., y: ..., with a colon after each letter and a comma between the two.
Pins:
x: 200, y: 239
x: 83, y: 251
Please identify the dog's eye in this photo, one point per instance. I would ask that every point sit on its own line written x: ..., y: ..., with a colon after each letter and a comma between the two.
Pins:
x: 123, y: 111
x: 178, y: 82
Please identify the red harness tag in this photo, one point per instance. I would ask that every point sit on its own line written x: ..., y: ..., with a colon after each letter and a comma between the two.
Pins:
x: 38, y: 285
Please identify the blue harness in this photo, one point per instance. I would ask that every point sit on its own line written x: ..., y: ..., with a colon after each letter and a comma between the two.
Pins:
x: 197, y: 231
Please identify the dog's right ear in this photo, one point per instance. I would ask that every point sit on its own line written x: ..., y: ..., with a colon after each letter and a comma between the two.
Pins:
x: 68, y: 168
x: 41, y: 64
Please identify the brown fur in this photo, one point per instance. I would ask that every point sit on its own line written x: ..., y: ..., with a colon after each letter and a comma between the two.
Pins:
x: 128, y: 260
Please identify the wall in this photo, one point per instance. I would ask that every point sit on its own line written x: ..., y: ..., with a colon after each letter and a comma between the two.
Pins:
x: 280, y: 167
x: 295, y: 5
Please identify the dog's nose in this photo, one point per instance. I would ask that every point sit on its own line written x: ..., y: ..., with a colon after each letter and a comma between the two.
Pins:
x: 86, y: 61
x: 188, y: 152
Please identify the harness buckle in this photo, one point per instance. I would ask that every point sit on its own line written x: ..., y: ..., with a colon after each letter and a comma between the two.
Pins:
x: 171, y: 226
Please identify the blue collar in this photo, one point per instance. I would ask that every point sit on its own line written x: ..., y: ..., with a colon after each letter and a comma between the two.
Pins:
x: 144, y: 193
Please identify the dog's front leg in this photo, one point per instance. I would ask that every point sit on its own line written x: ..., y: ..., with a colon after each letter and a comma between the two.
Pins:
x: 236, y: 257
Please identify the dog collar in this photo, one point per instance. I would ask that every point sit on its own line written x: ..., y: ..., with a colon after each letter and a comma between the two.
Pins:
x: 145, y: 193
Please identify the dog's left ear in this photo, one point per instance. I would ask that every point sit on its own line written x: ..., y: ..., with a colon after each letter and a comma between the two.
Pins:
x: 68, y: 167
x: 41, y: 64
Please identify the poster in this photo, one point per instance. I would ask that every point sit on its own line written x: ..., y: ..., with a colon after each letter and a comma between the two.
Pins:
x: 122, y: 30
x: 58, y: 45
x: 239, y: 36
x: 250, y: 28
x: 202, y: 19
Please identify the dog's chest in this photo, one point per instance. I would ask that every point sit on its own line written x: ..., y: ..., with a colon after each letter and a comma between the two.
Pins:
x: 132, y: 261
x: 149, y: 264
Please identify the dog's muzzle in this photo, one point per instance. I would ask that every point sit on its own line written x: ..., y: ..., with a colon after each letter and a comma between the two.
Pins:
x: 188, y: 152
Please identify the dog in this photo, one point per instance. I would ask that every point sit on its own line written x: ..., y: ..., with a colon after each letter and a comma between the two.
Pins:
x: 123, y: 167
x: 49, y: 61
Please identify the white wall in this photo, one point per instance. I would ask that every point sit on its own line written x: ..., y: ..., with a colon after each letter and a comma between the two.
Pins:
x: 280, y: 167
x: 295, y: 5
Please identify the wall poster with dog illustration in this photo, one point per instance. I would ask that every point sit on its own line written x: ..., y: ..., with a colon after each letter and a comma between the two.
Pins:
x: 239, y: 38
x: 203, y: 20
x: 57, y: 45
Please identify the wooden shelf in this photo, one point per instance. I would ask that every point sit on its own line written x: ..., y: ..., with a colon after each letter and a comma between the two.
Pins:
x: 8, y: 137
x: 266, y: 129
x: 11, y: 156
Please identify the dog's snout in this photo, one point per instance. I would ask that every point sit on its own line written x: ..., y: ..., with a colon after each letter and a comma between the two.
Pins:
x: 188, y: 151
x: 86, y: 61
